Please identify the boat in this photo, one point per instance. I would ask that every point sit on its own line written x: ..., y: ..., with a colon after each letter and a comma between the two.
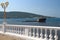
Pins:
x: 41, y: 19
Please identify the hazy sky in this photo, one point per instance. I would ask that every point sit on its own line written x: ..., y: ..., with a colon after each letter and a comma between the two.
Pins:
x: 41, y: 7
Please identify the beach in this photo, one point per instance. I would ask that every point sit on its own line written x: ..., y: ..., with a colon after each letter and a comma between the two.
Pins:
x: 7, y: 37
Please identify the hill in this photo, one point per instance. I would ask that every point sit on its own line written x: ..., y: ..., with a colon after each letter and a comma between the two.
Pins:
x: 19, y: 15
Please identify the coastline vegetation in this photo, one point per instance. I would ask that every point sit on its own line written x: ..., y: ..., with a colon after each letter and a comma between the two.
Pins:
x: 15, y: 14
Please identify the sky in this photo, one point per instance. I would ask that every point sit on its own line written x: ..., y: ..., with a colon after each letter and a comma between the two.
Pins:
x: 40, y: 7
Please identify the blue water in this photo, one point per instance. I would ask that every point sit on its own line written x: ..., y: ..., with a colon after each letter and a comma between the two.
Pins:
x: 53, y: 20
x: 20, y: 21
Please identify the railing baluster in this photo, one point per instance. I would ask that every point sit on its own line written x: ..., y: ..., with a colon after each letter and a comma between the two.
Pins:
x: 16, y: 30
x: 50, y: 35
x: 26, y: 31
x: 46, y: 34
x: 56, y: 36
x: 6, y: 28
x: 20, y: 30
x: 3, y: 27
x: 9, y: 29
x: 37, y: 33
x: 13, y: 29
x: 29, y: 31
x: 41, y: 34
x: 33, y: 32
x: 23, y: 31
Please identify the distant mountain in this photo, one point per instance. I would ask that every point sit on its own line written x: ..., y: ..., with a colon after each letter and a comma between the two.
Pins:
x: 19, y: 15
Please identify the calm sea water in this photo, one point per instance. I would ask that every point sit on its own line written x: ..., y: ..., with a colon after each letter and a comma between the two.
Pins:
x: 20, y: 21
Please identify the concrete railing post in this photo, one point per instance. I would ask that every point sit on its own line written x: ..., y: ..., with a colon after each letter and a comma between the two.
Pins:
x: 3, y: 27
x: 46, y: 34
x: 29, y: 31
x: 41, y: 34
x: 26, y: 31
x: 50, y: 35
x: 37, y: 33
x: 56, y: 36
x: 33, y: 32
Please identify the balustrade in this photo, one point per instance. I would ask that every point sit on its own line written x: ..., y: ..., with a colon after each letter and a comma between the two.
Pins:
x: 32, y: 31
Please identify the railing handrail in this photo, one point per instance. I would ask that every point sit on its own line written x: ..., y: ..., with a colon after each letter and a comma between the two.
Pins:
x: 31, y: 26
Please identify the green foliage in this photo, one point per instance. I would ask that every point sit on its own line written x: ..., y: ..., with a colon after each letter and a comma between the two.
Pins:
x: 19, y: 15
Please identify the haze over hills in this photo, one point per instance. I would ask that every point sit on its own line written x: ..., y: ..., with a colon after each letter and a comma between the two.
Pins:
x: 19, y: 15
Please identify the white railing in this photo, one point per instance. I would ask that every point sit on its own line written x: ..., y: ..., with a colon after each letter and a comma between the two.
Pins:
x: 31, y: 32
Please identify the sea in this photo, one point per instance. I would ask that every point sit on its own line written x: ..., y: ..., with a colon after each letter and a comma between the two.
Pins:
x: 22, y: 21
